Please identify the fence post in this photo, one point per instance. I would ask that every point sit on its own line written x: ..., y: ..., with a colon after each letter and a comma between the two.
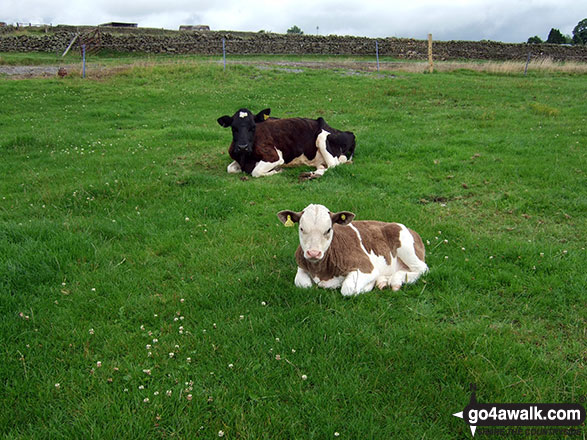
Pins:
x: 224, y: 53
x: 377, y: 53
x: 83, y: 60
x: 527, y: 62
x: 430, y: 61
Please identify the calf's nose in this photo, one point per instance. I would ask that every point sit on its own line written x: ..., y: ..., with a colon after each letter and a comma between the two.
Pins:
x: 313, y: 254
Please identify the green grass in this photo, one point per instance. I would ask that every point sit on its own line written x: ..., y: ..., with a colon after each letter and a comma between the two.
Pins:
x: 120, y: 225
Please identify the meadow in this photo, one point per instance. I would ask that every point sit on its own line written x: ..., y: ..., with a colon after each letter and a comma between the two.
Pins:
x: 146, y: 293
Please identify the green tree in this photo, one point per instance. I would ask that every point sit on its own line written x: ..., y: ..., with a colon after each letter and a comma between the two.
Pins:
x: 580, y: 32
x: 555, y: 37
x: 535, y: 40
x: 295, y: 30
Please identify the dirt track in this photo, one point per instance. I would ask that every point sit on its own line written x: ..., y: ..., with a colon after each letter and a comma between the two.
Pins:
x: 350, y: 67
x: 29, y: 71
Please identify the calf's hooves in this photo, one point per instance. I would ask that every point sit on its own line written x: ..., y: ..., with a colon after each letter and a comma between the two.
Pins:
x: 308, y: 176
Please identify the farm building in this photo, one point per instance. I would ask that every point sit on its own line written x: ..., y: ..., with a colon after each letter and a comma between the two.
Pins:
x: 119, y: 25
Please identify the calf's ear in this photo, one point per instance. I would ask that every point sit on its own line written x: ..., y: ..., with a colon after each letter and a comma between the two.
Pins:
x: 288, y: 218
x: 342, y: 217
x: 225, y: 121
x: 262, y: 115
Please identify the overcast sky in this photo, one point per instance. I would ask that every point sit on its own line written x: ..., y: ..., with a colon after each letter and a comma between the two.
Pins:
x: 498, y: 20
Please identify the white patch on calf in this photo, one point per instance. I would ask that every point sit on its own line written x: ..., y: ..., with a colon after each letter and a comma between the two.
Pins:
x: 234, y: 167
x: 357, y: 282
x: 314, y: 225
x: 412, y: 266
x: 243, y: 114
x: 330, y: 160
x: 268, y: 168
x: 303, y: 280
x: 332, y: 283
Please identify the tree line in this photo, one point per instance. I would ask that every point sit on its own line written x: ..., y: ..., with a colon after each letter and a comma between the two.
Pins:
x: 556, y: 37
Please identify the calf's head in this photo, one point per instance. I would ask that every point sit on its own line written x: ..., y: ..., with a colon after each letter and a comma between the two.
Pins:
x: 243, y: 124
x: 338, y: 142
x: 315, y: 228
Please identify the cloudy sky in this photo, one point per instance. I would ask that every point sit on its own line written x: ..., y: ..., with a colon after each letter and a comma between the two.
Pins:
x: 499, y: 20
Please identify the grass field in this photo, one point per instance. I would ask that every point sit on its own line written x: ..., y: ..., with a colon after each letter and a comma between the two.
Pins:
x: 146, y: 293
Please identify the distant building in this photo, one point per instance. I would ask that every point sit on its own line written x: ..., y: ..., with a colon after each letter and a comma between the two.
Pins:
x: 197, y: 27
x: 2, y: 24
x: 120, y: 25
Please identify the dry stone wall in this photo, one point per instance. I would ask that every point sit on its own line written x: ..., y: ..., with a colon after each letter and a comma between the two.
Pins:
x: 210, y: 43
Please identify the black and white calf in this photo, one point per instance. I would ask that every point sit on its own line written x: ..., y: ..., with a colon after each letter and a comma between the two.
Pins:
x: 335, y: 253
x: 262, y: 145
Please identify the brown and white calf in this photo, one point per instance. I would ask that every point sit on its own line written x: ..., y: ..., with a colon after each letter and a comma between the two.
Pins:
x: 262, y: 145
x: 334, y: 252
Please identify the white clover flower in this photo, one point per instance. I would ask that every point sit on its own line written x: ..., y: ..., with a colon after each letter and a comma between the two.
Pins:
x: 304, y: 377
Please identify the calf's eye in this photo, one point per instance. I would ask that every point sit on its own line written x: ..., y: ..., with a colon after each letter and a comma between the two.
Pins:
x: 328, y: 232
